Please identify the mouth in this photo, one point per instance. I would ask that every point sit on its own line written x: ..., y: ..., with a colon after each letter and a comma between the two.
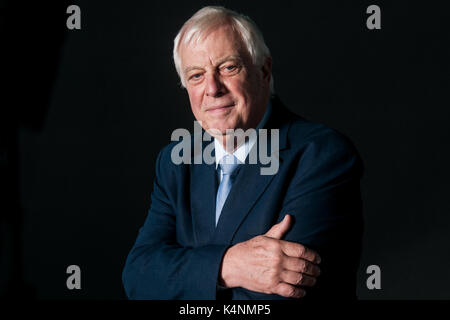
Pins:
x: 220, y: 108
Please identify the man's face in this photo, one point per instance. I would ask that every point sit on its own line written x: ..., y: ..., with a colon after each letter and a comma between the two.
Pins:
x: 226, y: 90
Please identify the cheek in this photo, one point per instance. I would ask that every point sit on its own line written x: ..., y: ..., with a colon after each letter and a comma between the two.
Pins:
x: 244, y: 94
x: 237, y: 88
x: 195, y: 98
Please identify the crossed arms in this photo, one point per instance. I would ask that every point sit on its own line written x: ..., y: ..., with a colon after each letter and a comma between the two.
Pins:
x: 283, y: 263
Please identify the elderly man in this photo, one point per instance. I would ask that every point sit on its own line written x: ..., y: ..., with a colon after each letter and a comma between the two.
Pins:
x: 223, y: 230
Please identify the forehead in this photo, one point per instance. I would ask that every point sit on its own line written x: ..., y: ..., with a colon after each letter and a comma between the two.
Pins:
x: 212, y: 46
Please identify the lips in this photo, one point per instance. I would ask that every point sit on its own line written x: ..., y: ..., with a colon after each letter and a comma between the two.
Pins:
x: 220, y: 107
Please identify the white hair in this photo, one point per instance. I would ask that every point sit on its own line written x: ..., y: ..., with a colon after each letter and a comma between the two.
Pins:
x: 212, y: 17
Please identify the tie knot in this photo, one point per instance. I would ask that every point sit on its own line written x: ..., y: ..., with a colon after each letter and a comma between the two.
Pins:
x: 228, y: 163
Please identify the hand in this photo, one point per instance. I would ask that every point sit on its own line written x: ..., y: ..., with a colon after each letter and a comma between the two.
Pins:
x: 270, y: 265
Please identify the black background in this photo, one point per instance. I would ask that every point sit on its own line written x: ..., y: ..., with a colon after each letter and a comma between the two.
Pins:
x: 85, y: 112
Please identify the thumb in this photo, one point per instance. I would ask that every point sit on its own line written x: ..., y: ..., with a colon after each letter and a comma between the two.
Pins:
x: 279, y: 230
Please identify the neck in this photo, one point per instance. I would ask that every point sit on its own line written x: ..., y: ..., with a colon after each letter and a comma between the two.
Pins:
x: 231, y: 142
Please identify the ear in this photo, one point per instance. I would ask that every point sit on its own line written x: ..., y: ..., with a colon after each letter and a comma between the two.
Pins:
x: 267, y: 69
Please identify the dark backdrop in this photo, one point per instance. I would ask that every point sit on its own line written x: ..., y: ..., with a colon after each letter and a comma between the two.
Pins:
x: 85, y: 112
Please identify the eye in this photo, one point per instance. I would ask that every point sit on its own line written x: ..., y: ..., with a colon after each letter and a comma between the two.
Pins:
x: 195, y: 76
x: 230, y: 69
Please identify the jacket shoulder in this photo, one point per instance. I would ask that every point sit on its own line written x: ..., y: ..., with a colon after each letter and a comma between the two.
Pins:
x: 303, y: 133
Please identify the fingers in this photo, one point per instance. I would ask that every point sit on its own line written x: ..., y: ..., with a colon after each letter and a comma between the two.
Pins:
x: 291, y: 248
x: 297, y: 250
x: 297, y: 279
x: 289, y: 291
x: 279, y: 230
x: 301, y: 265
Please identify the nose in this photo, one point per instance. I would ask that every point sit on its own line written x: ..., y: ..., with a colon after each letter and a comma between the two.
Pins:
x: 214, y: 87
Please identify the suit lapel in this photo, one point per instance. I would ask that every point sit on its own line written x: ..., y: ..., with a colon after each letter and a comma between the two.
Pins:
x: 241, y: 199
x: 203, y: 188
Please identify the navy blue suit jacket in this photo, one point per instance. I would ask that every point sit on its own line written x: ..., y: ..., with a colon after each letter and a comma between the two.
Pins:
x: 178, y: 251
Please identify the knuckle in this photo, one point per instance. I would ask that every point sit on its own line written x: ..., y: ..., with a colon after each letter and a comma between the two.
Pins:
x: 287, y: 291
x: 258, y: 239
x: 291, y: 291
x: 300, y: 279
x: 282, y: 291
x: 260, y: 250
x: 275, y: 246
x: 272, y: 281
x: 276, y: 262
x: 277, y: 290
x: 303, y: 265
x: 276, y: 256
x: 309, y: 268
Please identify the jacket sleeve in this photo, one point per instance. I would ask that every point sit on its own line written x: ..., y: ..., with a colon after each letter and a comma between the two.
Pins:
x: 324, y: 199
x: 158, y: 267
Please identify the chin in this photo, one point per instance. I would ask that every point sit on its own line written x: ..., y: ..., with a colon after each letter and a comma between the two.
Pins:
x: 221, y: 126
x: 214, y: 131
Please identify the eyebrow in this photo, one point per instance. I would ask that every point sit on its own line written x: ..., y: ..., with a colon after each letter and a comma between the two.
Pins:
x: 219, y: 62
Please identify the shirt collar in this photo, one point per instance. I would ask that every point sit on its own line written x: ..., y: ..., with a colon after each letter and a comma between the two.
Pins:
x: 243, y: 150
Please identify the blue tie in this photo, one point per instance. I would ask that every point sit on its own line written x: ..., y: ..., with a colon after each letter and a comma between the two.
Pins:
x: 227, y: 164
